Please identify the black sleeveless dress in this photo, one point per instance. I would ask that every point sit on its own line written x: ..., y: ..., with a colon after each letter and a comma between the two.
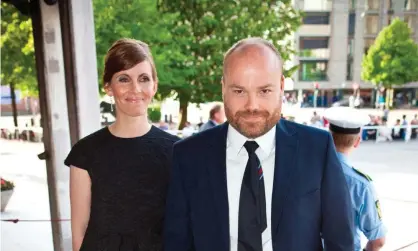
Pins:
x: 129, y: 179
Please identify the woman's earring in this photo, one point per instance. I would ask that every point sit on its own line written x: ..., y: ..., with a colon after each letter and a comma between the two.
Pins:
x: 111, y: 103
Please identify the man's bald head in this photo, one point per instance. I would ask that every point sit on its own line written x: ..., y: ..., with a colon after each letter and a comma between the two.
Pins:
x: 252, y: 47
x: 252, y: 86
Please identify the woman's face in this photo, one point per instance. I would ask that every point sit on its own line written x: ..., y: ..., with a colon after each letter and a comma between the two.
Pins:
x: 132, y: 89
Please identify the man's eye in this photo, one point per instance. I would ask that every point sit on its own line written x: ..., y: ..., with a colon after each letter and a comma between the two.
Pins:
x: 265, y: 91
x: 238, y: 91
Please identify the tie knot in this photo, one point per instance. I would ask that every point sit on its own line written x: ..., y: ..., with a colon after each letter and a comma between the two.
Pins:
x: 251, y: 146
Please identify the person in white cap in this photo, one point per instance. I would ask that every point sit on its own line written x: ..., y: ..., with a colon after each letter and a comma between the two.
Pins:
x: 345, y: 127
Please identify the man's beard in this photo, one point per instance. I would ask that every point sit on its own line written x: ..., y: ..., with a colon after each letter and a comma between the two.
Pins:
x: 263, y: 121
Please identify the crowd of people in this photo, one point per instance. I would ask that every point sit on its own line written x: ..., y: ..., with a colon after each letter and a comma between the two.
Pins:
x: 379, y: 129
x: 401, y: 130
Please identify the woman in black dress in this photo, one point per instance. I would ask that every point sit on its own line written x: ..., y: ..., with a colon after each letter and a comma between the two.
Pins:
x: 119, y: 174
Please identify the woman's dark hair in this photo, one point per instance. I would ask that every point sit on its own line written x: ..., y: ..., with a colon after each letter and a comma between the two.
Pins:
x: 124, y: 54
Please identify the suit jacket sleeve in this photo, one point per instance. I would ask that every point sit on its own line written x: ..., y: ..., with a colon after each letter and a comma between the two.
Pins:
x: 337, y: 215
x: 177, y: 232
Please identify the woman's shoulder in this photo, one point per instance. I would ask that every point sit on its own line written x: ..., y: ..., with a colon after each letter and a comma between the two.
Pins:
x: 161, y: 137
x: 80, y: 152
x: 94, y: 138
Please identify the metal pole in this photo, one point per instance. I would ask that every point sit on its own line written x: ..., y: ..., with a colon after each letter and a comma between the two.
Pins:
x: 315, y: 98
x: 79, y: 43
x: 54, y: 112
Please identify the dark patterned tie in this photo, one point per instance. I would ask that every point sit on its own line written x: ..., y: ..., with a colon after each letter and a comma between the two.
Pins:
x: 252, y: 218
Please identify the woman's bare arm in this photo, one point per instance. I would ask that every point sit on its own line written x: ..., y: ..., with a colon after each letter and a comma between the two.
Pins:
x: 80, y: 196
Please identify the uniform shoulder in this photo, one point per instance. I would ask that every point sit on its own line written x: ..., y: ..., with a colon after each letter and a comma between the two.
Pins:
x: 365, y: 177
x: 360, y: 178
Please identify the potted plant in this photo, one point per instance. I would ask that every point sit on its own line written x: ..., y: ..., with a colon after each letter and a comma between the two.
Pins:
x: 6, y: 192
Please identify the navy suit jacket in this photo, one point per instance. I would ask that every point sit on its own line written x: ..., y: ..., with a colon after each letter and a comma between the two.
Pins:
x: 310, y: 196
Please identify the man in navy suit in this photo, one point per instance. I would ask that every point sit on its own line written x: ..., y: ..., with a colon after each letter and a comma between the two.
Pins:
x: 257, y: 183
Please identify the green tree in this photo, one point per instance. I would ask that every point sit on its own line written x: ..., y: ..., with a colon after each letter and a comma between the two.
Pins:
x: 204, y: 30
x: 17, y: 54
x: 393, y: 58
x: 137, y: 19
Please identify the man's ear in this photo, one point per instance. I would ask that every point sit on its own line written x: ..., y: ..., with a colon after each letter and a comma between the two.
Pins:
x: 223, y: 87
x: 282, y: 83
x: 357, y: 142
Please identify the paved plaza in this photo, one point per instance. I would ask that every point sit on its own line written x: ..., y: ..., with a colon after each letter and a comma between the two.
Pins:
x: 392, y: 166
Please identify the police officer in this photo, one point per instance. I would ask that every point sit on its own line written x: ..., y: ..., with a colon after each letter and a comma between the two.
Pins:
x: 345, y: 125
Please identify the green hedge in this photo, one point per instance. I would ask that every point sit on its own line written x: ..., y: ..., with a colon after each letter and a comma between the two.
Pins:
x: 154, y: 114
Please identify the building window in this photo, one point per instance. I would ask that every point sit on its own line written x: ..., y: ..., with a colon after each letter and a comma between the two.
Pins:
x: 411, y: 5
x: 313, y: 70
x: 389, y: 5
x: 350, y: 48
x: 372, y: 24
x: 316, y: 18
x: 373, y: 4
x: 367, y: 44
x: 390, y: 18
x: 412, y: 22
x: 353, y: 4
x: 351, y: 23
x: 317, y: 5
x: 350, y: 69
x: 314, y: 47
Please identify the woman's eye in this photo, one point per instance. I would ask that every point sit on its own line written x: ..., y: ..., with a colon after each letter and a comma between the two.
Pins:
x: 144, y: 79
x: 123, y: 80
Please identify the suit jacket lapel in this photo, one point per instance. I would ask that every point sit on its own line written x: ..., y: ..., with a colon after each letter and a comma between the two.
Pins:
x: 286, y: 149
x: 216, y: 165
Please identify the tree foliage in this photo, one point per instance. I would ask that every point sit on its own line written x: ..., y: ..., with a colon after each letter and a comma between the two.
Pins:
x: 137, y: 19
x: 205, y: 30
x: 393, y: 59
x: 188, y: 38
x: 17, y: 50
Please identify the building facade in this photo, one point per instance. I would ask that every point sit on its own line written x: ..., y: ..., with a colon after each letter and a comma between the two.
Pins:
x: 332, y: 41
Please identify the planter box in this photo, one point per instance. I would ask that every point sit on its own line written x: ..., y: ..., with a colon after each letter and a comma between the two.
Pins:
x: 5, y: 197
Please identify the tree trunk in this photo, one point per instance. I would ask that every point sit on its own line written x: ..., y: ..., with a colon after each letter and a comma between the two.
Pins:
x: 184, y: 103
x: 389, y: 98
x: 14, y: 107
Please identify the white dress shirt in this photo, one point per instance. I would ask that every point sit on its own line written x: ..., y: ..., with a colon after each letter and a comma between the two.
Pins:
x: 236, y: 162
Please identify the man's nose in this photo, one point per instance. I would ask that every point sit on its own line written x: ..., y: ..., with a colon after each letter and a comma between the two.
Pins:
x: 252, y: 102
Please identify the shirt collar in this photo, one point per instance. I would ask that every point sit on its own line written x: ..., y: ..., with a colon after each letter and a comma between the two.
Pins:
x: 236, y: 141
x: 344, y: 160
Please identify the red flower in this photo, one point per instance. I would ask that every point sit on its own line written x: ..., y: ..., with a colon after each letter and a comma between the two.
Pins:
x: 6, y: 185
